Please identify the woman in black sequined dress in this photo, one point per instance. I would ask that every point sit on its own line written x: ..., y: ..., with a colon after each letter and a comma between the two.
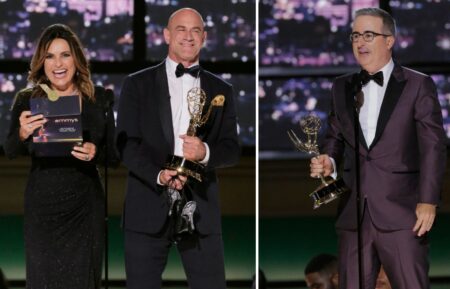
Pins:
x: 64, y: 198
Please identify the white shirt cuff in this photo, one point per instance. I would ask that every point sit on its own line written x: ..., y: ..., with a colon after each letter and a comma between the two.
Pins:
x: 334, y: 174
x: 157, y: 179
x: 206, y: 159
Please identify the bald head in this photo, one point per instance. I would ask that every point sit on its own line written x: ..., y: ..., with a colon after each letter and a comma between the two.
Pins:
x: 185, y: 35
x: 185, y: 10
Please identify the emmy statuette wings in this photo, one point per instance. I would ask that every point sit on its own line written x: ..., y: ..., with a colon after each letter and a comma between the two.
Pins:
x: 329, y: 189
x: 196, y: 99
x: 182, y: 210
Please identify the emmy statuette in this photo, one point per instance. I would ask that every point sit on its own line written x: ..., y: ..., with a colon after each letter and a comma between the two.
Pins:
x: 180, y: 209
x: 329, y: 189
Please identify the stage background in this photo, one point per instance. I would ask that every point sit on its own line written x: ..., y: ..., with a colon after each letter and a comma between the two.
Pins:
x: 121, y: 37
x: 303, y: 46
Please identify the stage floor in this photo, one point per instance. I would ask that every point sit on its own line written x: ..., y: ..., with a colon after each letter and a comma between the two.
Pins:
x: 238, y: 236
x: 285, y: 246
x: 288, y: 243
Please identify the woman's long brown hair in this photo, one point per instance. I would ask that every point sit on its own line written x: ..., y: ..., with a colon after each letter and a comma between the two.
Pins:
x: 82, y: 77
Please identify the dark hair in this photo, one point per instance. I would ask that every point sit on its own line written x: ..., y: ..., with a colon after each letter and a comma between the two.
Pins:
x: 323, y: 263
x: 82, y: 78
x: 388, y: 21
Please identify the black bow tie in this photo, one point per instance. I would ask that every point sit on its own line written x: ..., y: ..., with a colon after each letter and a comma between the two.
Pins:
x: 194, y: 70
x: 366, y: 77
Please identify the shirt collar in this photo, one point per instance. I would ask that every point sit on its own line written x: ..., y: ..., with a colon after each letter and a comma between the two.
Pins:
x: 172, y: 66
x: 387, y: 71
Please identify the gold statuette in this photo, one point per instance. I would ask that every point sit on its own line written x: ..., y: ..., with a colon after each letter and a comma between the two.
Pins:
x: 330, y: 189
x: 196, y: 99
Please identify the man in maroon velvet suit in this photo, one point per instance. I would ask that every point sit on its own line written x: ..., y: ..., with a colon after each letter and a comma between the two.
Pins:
x: 402, y: 160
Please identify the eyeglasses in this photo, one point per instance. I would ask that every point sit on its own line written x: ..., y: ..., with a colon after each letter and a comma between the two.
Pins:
x: 367, y: 36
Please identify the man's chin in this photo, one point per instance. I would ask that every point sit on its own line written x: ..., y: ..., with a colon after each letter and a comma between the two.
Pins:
x: 189, y: 58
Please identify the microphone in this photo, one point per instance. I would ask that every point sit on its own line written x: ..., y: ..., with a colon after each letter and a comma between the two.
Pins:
x: 358, y: 94
x: 109, y: 99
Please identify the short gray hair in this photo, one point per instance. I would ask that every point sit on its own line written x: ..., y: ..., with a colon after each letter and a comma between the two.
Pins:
x: 388, y: 21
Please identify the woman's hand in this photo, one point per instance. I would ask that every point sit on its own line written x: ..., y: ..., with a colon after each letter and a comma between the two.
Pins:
x: 85, y: 152
x: 29, y: 123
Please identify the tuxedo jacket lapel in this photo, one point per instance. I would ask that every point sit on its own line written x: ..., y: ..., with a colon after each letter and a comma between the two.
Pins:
x: 164, y: 109
x: 206, y: 87
x: 350, y: 105
x: 394, y: 90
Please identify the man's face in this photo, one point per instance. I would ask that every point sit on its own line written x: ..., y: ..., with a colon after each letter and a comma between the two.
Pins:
x: 316, y: 280
x: 372, y: 56
x: 185, y: 36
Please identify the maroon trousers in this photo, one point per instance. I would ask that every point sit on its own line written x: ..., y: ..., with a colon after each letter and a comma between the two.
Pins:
x: 403, y: 255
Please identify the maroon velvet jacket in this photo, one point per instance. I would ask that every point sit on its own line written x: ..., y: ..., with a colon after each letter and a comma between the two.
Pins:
x: 405, y: 163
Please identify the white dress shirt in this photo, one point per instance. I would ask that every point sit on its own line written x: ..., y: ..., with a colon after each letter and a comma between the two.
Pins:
x: 178, y: 90
x: 370, y: 110
x: 373, y: 98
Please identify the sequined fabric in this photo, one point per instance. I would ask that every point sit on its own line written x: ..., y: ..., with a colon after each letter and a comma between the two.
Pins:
x: 63, y: 227
x: 64, y: 203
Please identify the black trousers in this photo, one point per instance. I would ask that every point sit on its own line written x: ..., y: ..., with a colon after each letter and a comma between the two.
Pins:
x: 146, y: 257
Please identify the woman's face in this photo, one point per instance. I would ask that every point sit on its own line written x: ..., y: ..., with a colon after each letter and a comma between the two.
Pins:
x: 59, y: 66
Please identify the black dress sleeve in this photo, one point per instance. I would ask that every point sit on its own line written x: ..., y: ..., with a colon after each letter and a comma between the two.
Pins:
x: 13, y: 146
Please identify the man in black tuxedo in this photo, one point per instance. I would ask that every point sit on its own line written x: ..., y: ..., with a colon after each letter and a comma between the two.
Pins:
x: 152, y: 122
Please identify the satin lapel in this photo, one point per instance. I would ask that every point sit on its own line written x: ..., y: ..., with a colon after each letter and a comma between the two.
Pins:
x: 349, y: 104
x: 164, y: 108
x: 393, y: 92
x: 205, y: 85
